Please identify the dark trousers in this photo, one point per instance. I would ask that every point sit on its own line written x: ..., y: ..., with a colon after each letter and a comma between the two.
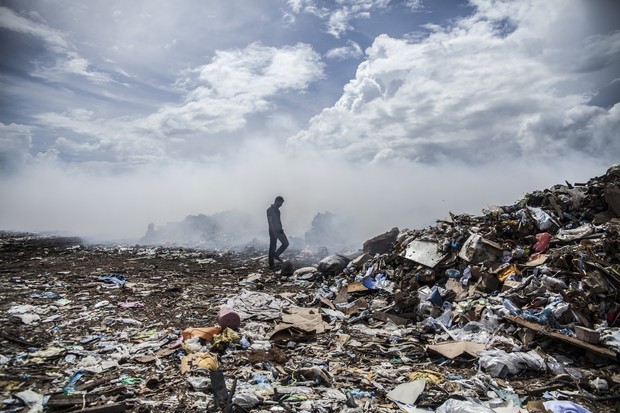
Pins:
x: 273, y: 239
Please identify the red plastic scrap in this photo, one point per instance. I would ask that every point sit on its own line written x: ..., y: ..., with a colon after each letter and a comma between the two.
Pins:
x: 542, y: 241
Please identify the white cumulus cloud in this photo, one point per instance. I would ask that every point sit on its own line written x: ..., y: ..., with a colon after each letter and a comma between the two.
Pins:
x: 488, y: 86
x: 351, y: 51
x: 219, y: 97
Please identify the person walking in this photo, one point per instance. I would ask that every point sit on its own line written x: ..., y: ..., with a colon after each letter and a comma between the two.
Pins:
x: 276, y: 233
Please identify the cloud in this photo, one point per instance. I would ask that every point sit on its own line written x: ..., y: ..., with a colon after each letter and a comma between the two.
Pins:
x: 338, y: 22
x: 14, y: 22
x: 414, y: 5
x: 234, y: 85
x: 338, y: 19
x: 260, y: 70
x: 51, y: 195
x: 68, y: 62
x: 474, y: 91
x: 15, y: 144
x: 351, y: 51
x: 599, y: 52
x: 71, y: 64
x: 219, y: 98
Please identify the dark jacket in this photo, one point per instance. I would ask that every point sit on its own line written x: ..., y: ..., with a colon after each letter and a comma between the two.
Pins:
x: 273, y: 218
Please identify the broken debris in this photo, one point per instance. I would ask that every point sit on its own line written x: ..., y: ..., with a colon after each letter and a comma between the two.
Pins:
x: 513, y: 310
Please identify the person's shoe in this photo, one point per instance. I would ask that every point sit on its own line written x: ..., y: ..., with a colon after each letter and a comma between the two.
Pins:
x: 277, y: 258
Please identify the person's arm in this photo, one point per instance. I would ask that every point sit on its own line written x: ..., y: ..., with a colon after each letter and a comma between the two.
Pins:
x: 278, y: 224
x: 274, y: 220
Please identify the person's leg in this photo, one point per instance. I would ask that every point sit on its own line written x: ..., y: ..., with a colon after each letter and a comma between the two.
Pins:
x: 284, y: 246
x: 272, y: 248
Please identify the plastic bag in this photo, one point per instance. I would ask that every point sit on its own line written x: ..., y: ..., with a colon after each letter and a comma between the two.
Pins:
x: 498, y: 363
x: 246, y: 400
x: 566, y: 235
x: 543, y: 219
x: 462, y: 406
x: 542, y: 241
x: 555, y: 366
x: 379, y: 282
x: 564, y: 406
x: 446, y: 317
x: 333, y: 264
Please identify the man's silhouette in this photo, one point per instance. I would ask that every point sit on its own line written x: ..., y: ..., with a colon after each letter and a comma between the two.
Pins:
x: 275, y: 231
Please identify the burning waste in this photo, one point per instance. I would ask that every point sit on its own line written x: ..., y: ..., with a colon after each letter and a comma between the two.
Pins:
x: 515, y: 310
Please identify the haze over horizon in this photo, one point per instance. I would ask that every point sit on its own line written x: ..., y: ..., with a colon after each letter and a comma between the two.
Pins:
x: 115, y: 115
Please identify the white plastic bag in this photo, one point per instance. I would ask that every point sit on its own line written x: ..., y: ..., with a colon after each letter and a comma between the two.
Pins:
x: 462, y: 406
x: 498, y: 363
x: 543, y: 219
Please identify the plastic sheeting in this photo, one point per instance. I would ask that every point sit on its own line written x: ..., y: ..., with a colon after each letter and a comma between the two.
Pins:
x: 498, y: 363
x: 257, y: 305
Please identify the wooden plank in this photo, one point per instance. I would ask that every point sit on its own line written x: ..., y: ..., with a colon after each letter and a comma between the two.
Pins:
x: 601, y: 351
x: 59, y: 399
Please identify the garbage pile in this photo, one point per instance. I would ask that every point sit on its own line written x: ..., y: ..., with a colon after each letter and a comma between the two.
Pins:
x: 515, y: 310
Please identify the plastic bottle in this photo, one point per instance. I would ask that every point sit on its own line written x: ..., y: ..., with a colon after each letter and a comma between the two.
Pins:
x: 553, y: 283
x: 512, y: 309
x: 453, y: 273
x: 466, y: 275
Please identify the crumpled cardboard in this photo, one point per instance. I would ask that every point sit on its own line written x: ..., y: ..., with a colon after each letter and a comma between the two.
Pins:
x: 298, y: 323
x: 452, y: 349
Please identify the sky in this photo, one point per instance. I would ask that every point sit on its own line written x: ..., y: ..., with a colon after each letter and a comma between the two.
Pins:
x: 116, y: 114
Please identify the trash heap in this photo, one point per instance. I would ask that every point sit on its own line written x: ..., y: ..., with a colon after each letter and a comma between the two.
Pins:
x: 515, y: 310
x: 526, y: 289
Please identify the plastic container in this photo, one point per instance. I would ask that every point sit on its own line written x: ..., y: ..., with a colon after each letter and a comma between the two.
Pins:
x: 453, y: 273
x: 435, y: 297
x: 511, y: 307
x: 228, y: 317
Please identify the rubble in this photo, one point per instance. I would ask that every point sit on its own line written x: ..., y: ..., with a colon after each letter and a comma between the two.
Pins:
x: 514, y: 310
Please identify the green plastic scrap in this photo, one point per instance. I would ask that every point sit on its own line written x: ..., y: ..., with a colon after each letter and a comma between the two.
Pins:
x: 131, y: 380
